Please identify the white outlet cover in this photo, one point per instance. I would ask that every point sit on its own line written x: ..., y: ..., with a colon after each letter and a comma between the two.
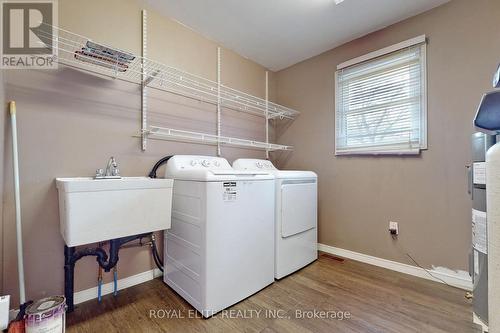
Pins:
x: 394, y: 226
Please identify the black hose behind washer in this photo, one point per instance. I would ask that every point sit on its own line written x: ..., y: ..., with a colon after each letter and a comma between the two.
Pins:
x: 156, y: 255
x: 152, y: 173
x: 154, y: 248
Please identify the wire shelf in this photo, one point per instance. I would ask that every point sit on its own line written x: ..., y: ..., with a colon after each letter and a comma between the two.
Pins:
x: 78, y: 51
x: 163, y: 133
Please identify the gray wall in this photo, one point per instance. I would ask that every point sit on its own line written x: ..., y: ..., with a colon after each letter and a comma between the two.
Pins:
x: 425, y: 194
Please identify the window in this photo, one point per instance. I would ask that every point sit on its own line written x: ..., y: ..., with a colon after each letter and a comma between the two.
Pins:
x: 381, y: 101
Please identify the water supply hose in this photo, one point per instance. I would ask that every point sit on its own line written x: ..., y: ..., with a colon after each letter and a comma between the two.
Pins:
x: 156, y: 255
x: 115, y: 281
x: 99, y: 285
x: 154, y: 248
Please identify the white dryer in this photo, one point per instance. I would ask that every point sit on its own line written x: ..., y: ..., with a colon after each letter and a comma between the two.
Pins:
x: 296, y: 215
x: 220, y: 248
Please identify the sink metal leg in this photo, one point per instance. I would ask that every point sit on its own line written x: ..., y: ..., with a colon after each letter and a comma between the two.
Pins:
x: 69, y: 276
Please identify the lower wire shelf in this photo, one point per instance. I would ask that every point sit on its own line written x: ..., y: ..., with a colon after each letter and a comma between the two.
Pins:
x: 170, y: 134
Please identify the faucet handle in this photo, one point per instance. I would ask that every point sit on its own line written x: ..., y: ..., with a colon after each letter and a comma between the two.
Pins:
x: 99, y: 172
x: 115, y: 172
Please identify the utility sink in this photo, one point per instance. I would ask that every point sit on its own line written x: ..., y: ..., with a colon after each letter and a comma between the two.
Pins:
x: 94, y: 210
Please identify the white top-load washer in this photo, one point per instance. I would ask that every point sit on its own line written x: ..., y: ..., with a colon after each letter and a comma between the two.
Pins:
x: 296, y: 215
x: 220, y: 248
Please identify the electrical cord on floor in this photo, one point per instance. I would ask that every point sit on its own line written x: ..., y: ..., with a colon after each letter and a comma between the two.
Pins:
x: 417, y: 264
x: 428, y: 272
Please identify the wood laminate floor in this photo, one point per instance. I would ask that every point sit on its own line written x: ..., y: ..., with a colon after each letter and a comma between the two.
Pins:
x: 370, y: 298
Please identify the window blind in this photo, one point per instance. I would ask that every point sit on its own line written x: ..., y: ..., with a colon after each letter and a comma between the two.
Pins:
x: 380, y: 104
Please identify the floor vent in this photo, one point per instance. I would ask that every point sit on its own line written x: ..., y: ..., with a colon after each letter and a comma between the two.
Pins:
x: 329, y: 256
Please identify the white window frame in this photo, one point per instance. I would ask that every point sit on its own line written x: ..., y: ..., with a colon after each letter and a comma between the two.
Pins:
x: 379, y: 53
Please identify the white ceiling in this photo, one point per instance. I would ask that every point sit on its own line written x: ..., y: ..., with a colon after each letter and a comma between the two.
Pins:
x: 280, y: 33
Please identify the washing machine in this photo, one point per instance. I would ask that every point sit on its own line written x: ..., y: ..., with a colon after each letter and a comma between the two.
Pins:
x: 220, y: 247
x: 296, y: 232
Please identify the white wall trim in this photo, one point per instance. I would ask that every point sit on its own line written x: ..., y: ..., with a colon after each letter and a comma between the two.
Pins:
x: 107, y: 288
x: 450, y: 277
x: 386, y: 50
x: 478, y: 321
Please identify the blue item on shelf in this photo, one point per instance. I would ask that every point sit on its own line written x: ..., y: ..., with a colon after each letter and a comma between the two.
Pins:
x: 487, y: 118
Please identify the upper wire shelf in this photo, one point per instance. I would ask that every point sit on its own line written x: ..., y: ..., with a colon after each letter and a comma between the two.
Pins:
x: 81, y: 52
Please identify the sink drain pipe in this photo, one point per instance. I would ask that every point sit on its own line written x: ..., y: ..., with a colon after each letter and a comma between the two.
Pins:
x: 105, y: 261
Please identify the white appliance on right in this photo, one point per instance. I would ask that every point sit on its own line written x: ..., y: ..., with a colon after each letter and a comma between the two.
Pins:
x: 487, y: 120
x: 296, y: 215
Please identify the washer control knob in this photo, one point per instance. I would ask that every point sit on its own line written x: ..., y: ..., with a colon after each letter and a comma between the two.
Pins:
x: 205, y: 163
x: 194, y: 162
x: 217, y: 164
x: 259, y: 165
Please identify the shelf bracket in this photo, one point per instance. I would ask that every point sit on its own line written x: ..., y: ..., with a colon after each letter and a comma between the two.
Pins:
x: 267, y: 113
x: 218, y: 103
x: 151, y: 77
x: 144, y: 83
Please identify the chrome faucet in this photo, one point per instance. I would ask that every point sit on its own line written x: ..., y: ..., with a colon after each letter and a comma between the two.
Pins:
x: 112, y: 171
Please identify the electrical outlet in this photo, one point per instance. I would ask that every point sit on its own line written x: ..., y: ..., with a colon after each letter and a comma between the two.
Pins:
x: 393, y: 228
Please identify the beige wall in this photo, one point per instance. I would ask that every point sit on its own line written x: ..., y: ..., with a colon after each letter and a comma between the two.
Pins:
x: 71, y: 122
x: 425, y: 194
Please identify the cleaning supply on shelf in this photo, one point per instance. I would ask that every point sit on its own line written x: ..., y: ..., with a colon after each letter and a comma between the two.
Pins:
x: 110, y: 53
x: 104, y: 56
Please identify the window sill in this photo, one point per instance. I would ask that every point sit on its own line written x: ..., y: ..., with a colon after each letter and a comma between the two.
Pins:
x: 409, y: 152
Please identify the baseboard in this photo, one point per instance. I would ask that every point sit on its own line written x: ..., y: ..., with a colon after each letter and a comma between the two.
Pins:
x: 476, y: 320
x: 107, y: 288
x: 450, y: 277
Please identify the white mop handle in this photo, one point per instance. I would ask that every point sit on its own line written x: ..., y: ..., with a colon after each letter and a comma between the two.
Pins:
x: 19, y: 231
